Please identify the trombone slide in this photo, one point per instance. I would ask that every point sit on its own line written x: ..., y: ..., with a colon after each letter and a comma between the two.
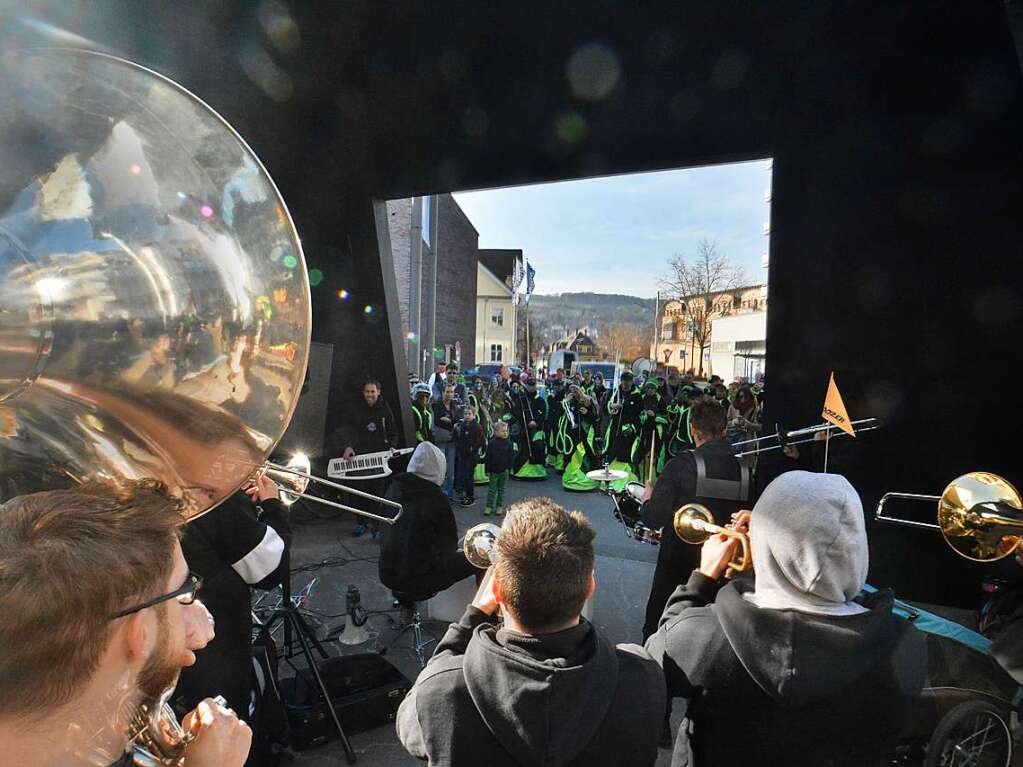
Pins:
x: 277, y: 468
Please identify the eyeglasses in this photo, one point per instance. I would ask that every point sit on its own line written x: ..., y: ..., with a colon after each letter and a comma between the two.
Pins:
x: 185, y: 594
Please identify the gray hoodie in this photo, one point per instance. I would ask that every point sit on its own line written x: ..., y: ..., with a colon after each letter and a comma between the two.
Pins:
x: 428, y: 462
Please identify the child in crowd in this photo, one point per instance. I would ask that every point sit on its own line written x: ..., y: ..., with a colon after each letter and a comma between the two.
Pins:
x: 468, y: 440
x: 499, y: 462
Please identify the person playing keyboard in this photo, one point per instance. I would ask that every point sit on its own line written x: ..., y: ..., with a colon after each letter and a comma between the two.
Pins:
x: 369, y: 427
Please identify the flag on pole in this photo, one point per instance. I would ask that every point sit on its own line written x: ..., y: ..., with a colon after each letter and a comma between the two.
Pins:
x: 517, y: 275
x: 530, y: 281
x: 834, y: 409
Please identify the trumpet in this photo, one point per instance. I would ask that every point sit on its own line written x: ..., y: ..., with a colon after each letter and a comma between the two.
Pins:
x: 694, y: 524
x: 479, y: 544
x: 980, y: 515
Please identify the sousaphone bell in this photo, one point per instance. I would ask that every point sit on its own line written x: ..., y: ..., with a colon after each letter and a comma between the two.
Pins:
x: 155, y: 312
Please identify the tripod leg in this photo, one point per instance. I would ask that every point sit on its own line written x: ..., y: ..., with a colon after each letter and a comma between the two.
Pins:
x: 304, y: 641
x: 303, y: 627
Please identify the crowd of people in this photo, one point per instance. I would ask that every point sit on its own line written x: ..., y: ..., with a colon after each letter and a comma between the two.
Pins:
x: 571, y: 423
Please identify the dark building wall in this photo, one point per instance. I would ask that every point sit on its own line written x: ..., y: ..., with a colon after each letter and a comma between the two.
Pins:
x: 895, y: 129
x: 457, y: 247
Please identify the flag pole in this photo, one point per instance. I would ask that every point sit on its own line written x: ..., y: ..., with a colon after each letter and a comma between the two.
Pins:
x: 827, y: 441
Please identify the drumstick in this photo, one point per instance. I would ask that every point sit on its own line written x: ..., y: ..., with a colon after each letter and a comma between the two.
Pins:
x: 653, y: 443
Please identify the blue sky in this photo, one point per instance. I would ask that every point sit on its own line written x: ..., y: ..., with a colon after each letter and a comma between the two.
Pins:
x: 616, y: 234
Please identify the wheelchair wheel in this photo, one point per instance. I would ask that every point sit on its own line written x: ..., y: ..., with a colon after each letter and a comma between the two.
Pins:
x: 973, y: 734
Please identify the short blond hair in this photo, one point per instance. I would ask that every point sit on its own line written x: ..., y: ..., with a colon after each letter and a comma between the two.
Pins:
x: 69, y: 559
x: 501, y: 429
x: 544, y: 563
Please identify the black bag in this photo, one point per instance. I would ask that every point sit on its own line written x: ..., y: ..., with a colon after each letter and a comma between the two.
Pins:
x: 270, y: 731
x: 365, y: 689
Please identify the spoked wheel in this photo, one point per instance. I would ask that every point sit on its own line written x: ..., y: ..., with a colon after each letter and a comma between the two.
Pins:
x: 973, y: 734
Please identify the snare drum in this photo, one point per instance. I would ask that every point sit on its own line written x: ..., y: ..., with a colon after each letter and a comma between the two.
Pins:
x: 636, y: 490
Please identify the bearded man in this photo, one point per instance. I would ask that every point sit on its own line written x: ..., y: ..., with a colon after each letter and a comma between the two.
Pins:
x: 99, y: 616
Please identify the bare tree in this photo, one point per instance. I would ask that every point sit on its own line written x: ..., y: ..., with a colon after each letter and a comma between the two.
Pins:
x: 695, y: 281
x: 623, y: 338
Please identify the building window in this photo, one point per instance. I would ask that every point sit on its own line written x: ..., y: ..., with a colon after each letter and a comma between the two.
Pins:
x: 497, y: 316
x: 496, y: 353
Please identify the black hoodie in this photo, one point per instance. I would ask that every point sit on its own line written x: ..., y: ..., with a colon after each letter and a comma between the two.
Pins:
x: 491, y: 697
x: 784, y: 687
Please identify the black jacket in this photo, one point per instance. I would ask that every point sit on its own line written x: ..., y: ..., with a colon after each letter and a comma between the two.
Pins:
x: 366, y: 429
x: 444, y: 420
x: 468, y: 439
x: 785, y: 687
x: 425, y: 532
x: 492, y: 697
x: 232, y: 550
x: 500, y: 455
x: 676, y: 487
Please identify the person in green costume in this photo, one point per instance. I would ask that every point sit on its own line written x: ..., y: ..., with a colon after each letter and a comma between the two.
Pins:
x: 555, y: 398
x: 653, y: 423
x: 576, y: 435
x: 621, y: 415
x: 528, y: 424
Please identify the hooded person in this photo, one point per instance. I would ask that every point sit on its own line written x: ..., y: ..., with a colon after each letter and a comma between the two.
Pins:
x: 419, y: 554
x: 545, y: 687
x: 827, y: 674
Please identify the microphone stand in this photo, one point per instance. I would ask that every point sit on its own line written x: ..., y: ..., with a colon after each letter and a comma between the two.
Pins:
x: 295, y: 625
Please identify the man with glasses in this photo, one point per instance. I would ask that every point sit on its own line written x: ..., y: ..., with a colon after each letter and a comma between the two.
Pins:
x: 98, y: 615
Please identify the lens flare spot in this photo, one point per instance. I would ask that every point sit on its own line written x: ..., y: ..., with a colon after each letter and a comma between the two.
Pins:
x: 315, y: 277
x: 343, y: 294
x: 367, y: 309
x: 290, y: 261
x: 207, y: 211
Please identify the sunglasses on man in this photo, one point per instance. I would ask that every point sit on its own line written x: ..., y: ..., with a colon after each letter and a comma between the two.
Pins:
x: 184, y: 594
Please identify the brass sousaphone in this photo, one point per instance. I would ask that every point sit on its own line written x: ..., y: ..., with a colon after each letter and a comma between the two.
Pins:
x: 154, y: 302
x: 980, y: 515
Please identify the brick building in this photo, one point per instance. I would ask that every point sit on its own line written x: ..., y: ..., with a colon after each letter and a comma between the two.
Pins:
x: 436, y: 231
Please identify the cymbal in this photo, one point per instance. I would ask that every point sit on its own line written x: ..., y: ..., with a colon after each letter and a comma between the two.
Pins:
x: 606, y: 475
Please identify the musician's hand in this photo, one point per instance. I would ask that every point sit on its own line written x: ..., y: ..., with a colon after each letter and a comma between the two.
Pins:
x: 348, y: 454
x: 485, y: 599
x: 791, y: 451
x: 648, y: 491
x: 740, y: 521
x: 616, y: 406
x: 715, y: 555
x: 221, y: 740
x: 198, y: 631
x: 532, y: 424
x: 262, y: 488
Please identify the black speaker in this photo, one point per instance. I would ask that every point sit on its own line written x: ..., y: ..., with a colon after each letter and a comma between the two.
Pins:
x: 366, y: 691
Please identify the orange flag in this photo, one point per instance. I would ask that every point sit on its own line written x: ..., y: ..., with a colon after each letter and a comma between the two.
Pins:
x: 834, y: 409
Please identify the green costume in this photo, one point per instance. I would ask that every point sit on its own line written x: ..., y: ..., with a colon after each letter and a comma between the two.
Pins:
x: 653, y: 421
x: 621, y: 427
x: 575, y: 441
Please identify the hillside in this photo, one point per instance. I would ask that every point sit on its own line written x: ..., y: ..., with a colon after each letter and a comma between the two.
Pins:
x: 551, y: 316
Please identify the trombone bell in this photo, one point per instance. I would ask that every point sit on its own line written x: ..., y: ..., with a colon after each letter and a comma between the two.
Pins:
x: 980, y: 515
x: 480, y: 543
